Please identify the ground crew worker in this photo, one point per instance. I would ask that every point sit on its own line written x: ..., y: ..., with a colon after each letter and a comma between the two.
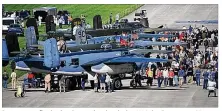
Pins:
x: 198, y: 72
x: 13, y: 76
x: 47, y: 82
x: 171, y: 75
x: 211, y: 87
x: 205, y: 76
x: 5, y: 79
x: 181, y: 73
x: 159, y: 77
x: 96, y: 83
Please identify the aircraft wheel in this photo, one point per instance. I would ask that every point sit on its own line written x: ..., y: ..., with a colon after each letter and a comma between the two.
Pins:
x: 132, y: 83
x: 15, y: 94
x: 117, y: 84
x: 122, y: 76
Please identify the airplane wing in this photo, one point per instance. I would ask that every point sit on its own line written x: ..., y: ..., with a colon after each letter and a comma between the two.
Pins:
x: 162, y: 29
x: 144, y: 51
x: 122, y: 59
x: 141, y: 43
x: 141, y: 36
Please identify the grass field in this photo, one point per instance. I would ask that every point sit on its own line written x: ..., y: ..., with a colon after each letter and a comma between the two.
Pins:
x: 90, y: 10
x: 75, y: 10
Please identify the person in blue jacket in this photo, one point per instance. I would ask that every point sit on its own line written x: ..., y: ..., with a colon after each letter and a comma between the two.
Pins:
x: 198, y: 72
x: 181, y: 74
x: 205, y: 76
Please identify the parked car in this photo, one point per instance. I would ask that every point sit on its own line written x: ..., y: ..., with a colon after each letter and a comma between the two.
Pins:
x: 17, y: 28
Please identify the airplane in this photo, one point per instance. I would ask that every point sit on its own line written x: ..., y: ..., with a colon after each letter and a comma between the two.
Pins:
x: 74, y: 64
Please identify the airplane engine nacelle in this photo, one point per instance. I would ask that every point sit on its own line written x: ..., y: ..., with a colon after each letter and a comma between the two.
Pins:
x: 113, y: 69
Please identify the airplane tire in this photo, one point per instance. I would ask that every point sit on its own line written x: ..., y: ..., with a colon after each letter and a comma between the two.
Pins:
x: 122, y: 76
x: 117, y: 84
x: 132, y: 83
x: 15, y: 94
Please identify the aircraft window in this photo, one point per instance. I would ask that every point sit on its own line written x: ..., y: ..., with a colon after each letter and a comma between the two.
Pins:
x: 75, y: 61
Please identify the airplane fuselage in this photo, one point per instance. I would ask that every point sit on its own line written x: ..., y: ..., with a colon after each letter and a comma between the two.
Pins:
x: 71, y: 68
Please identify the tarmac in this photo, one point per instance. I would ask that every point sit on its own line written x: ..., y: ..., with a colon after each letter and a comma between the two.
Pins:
x: 190, y: 96
x: 167, y: 14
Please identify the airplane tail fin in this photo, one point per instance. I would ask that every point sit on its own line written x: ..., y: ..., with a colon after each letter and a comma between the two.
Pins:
x: 11, y: 42
x: 51, y: 53
x: 30, y: 38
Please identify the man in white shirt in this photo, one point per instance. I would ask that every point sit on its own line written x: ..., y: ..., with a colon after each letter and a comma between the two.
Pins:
x: 165, y: 76
x: 108, y: 82
x: 13, y: 76
x: 211, y: 87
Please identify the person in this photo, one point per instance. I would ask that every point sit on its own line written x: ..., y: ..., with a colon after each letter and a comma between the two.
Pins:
x: 211, y: 87
x: 216, y: 78
x: 96, y: 82
x: 171, y: 75
x: 40, y: 20
x: 83, y: 81
x: 190, y: 75
x: 159, y: 77
x: 102, y: 82
x: 61, y: 21
x: 30, y: 77
x: 62, y: 83
x: 13, y: 76
x: 117, y: 18
x: 176, y: 76
x: 61, y: 45
x: 149, y: 75
x: 47, y: 82
x: 165, y: 75
x: 205, y: 76
x: 108, y: 82
x: 198, y: 72
x: 110, y: 18
x: 181, y: 74
x: 5, y: 79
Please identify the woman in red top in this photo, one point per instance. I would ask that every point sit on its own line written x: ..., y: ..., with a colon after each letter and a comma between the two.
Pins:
x: 159, y: 75
x: 171, y: 75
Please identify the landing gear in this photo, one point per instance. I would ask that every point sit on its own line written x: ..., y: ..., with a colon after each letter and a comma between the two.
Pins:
x: 117, y: 83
